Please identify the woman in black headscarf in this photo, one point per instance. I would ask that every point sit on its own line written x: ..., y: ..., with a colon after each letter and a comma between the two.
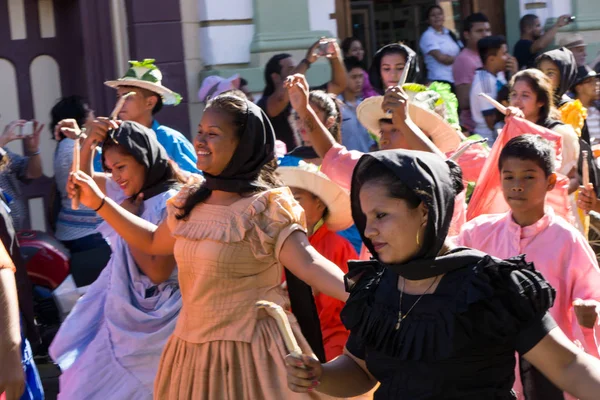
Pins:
x: 388, y: 65
x: 429, y: 321
x: 110, y: 345
x: 230, y: 232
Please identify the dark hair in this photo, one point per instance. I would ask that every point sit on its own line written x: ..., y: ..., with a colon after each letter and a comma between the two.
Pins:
x: 473, y: 19
x: 243, y: 82
x: 373, y: 171
x: 347, y: 43
x: 530, y: 147
x: 273, y: 66
x: 394, y: 48
x: 330, y: 105
x: 159, y: 104
x: 175, y: 172
x: 430, y: 9
x: 352, y: 62
x: 527, y: 21
x: 540, y: 84
x: 489, y: 46
x: 69, y: 107
x: 237, y: 109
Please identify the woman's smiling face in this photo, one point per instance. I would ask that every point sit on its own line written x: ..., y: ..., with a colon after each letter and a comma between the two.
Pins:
x: 215, y: 142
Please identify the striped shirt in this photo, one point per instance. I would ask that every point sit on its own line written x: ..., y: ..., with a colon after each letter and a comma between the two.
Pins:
x: 71, y: 224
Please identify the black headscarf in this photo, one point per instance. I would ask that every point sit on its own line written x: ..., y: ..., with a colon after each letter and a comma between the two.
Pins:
x: 375, y: 69
x: 255, y: 149
x: 567, y: 65
x: 431, y: 179
x: 141, y: 143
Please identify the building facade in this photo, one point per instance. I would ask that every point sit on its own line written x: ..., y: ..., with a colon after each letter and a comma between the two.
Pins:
x: 52, y: 48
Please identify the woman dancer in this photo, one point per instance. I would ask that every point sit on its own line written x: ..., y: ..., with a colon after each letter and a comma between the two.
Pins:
x: 230, y: 233
x: 109, y: 346
x: 429, y: 321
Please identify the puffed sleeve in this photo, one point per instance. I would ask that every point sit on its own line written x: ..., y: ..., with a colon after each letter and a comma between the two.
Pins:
x: 271, y: 219
x: 521, y: 302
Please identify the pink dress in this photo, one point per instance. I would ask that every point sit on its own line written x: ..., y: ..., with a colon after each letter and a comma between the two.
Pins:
x: 223, y: 347
x: 558, y: 250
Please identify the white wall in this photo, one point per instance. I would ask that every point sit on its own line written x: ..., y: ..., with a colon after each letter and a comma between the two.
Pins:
x: 228, y: 44
x: 211, y: 10
x: 554, y: 9
x: 318, y: 14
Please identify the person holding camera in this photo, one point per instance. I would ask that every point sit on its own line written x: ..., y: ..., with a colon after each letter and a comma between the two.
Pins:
x: 275, y: 100
x: 532, y: 40
x: 20, y: 169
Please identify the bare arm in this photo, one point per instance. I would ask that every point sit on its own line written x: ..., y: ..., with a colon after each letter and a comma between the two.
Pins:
x: 137, y: 232
x: 490, y: 120
x: 339, y: 76
x: 311, y: 267
x: 157, y: 268
x: 441, y: 57
x: 566, y: 366
x: 32, y: 149
x: 345, y: 376
x: 320, y: 137
x: 396, y: 100
x: 548, y: 37
x: 11, y: 373
x: 463, y: 94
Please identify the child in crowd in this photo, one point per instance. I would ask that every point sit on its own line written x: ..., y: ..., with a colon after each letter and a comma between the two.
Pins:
x: 489, y: 80
x: 557, y: 249
x: 327, y: 210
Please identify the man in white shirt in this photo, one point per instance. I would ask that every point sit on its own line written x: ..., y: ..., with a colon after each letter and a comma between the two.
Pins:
x: 489, y: 80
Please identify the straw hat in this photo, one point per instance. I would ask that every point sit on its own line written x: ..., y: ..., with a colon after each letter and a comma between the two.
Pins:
x: 308, y: 177
x: 572, y: 40
x: 445, y: 137
x: 146, y: 75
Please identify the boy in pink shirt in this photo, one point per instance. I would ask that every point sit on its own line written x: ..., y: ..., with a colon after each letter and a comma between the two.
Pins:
x: 557, y: 249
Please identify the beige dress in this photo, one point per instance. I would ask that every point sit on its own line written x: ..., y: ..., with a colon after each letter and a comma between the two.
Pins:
x: 223, y: 347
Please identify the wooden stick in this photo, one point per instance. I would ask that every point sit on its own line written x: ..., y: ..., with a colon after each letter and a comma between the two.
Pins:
x: 498, y: 106
x: 465, y: 147
x: 405, y: 71
x: 276, y: 312
x: 585, y: 168
x: 115, y: 112
x: 75, y: 168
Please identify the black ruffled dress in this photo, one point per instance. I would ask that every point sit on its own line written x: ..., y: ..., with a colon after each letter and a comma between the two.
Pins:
x: 458, y: 343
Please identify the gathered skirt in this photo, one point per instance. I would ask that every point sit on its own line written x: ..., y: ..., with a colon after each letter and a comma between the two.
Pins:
x: 229, y: 370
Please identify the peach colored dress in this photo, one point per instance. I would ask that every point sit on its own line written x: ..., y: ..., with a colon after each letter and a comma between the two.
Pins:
x: 223, y: 347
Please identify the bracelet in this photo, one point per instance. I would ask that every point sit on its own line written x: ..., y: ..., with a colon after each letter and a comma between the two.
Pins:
x: 35, y: 153
x: 101, y: 204
x: 305, y: 61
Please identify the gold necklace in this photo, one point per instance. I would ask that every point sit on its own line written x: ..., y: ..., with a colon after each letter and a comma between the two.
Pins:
x: 402, y: 317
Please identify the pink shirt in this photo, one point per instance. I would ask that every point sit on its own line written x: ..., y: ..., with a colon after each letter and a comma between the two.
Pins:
x: 463, y: 71
x: 558, y: 250
x: 339, y: 164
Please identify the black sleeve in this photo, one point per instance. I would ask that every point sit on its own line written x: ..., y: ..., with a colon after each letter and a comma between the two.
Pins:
x: 531, y: 334
x: 356, y: 347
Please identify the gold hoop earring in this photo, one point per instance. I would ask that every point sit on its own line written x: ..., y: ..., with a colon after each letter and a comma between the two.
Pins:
x: 418, y: 244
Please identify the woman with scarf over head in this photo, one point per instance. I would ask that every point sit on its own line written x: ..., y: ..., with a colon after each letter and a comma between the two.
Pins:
x: 109, y: 347
x: 389, y: 63
x: 429, y: 321
x: 231, y: 232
